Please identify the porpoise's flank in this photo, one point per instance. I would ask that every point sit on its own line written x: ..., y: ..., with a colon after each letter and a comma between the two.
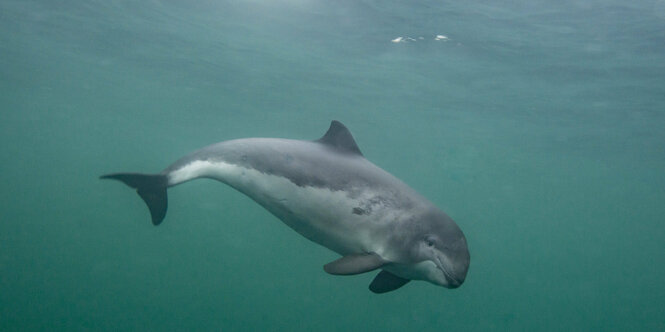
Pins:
x: 329, y: 193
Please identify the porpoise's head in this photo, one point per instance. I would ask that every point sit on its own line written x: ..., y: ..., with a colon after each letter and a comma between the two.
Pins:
x: 434, y: 250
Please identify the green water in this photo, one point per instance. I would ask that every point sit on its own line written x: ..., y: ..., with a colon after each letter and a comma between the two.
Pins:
x: 539, y: 126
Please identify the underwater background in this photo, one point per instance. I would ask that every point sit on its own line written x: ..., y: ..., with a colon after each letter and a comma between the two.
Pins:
x: 539, y: 126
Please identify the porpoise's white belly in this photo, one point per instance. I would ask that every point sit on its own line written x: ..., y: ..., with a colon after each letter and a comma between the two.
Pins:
x: 320, y: 214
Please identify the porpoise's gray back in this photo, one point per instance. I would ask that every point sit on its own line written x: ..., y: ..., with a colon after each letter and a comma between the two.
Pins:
x: 308, y: 164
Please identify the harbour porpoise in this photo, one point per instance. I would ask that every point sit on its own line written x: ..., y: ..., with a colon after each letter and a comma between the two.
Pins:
x: 327, y: 191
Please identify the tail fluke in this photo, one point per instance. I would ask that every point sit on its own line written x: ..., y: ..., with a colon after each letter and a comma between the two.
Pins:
x: 151, y: 188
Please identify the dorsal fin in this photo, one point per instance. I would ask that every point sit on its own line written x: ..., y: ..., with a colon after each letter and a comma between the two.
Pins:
x: 339, y: 137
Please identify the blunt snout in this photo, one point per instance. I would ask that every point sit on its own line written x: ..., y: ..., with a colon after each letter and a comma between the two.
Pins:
x: 461, y: 260
x: 457, y: 263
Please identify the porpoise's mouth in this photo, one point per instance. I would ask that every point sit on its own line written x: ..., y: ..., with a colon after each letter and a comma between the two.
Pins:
x: 451, y: 281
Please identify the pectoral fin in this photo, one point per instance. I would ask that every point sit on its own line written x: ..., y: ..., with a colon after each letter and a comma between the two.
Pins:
x: 385, y: 282
x: 355, y: 264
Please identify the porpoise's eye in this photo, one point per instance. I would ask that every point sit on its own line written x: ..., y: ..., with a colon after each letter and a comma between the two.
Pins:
x: 430, y: 242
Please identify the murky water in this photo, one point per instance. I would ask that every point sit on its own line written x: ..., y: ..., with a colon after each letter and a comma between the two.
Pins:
x: 538, y: 126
